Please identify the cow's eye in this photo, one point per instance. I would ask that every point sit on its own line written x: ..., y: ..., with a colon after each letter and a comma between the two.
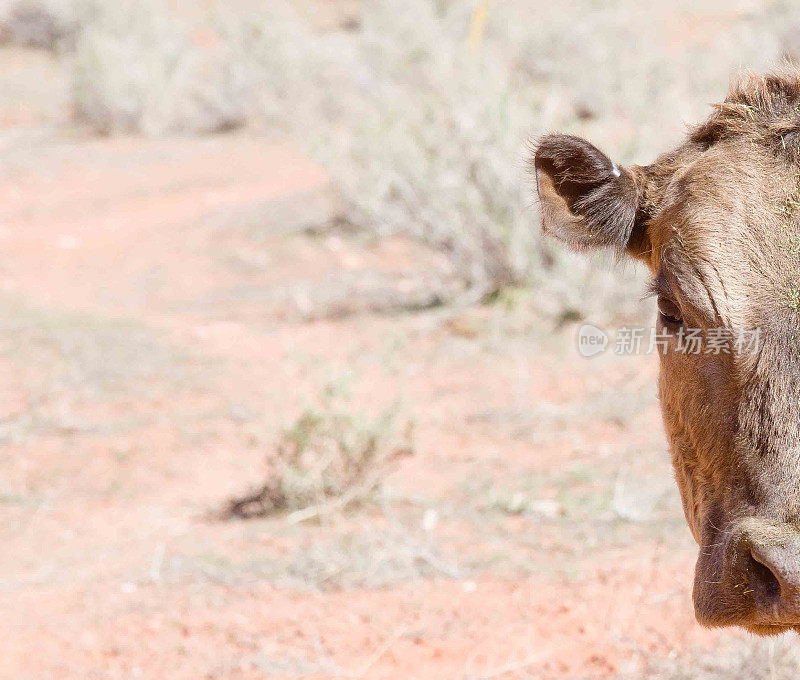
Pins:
x: 669, y: 312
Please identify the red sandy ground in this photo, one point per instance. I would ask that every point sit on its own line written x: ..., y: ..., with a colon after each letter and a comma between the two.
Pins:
x: 105, y: 569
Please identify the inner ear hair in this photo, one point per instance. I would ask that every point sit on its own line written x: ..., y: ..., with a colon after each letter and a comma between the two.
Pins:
x: 586, y: 199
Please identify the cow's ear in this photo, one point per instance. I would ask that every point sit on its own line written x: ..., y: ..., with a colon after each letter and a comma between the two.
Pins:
x: 586, y: 200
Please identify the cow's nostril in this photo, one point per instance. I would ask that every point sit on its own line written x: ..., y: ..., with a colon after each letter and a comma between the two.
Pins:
x: 764, y: 580
x: 756, y: 580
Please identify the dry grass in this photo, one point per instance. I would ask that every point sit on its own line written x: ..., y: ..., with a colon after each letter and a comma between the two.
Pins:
x: 373, y: 558
x: 76, y: 361
x: 327, y: 460
x: 750, y: 659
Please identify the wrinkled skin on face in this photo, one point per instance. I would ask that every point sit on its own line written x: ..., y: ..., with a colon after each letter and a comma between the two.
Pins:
x: 717, y: 222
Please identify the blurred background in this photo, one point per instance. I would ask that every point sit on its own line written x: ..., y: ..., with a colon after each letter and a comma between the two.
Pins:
x: 288, y: 378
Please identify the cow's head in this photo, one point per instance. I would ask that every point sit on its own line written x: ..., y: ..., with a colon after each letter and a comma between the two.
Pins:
x: 717, y: 222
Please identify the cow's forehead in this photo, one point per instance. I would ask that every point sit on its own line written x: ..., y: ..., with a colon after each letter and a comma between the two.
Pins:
x: 728, y: 229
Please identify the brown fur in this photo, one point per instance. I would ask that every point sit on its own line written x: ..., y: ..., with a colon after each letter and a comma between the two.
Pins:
x: 717, y: 221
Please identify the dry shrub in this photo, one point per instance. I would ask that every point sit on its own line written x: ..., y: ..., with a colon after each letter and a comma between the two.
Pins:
x: 423, y: 135
x: 43, y: 24
x: 426, y: 135
x: 138, y: 68
x: 327, y: 460
x: 423, y: 119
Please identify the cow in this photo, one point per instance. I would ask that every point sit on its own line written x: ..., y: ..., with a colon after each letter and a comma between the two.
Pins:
x: 717, y: 223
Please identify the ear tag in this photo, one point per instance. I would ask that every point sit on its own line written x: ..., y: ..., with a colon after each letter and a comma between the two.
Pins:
x: 615, y: 170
